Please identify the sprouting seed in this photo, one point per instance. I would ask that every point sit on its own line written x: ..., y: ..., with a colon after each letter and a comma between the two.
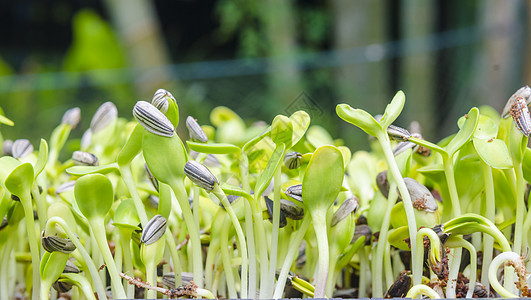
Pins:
x: 398, y: 133
x: 21, y: 148
x: 291, y: 210
x: 152, y: 119
x: 200, y: 175
x: 65, y: 187
x: 421, y: 197
x: 72, y: 117
x: 295, y: 192
x: 196, y: 132
x: 520, y: 114
x: 61, y: 286
x: 53, y: 243
x: 523, y: 92
x: 269, y: 204
x: 293, y: 160
x: 348, y: 206
x: 70, y: 267
x: 152, y: 178
x: 362, y: 230
x: 155, y: 229
x: 82, y: 158
x: 104, y: 116
x: 161, y: 100
x: 7, y: 147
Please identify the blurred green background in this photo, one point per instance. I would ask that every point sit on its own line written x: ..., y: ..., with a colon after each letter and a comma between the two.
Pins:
x: 261, y: 58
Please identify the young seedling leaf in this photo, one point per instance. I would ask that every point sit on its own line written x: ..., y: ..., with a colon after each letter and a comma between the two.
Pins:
x: 94, y: 196
x: 393, y: 109
x: 493, y: 152
x: 465, y: 133
x: 213, y: 148
x: 360, y: 118
x: 274, y: 162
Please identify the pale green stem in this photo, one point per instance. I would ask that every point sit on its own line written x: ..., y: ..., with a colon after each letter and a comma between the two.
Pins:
x: 434, y: 245
x: 422, y: 289
x: 488, y: 241
x: 128, y: 261
x: 97, y: 257
x: 388, y: 267
x: 244, y: 174
x: 295, y: 241
x: 262, y: 246
x: 41, y: 207
x: 227, y: 264
x: 127, y: 177
x: 4, y: 267
x: 210, y: 261
x: 176, y: 261
x: 364, y: 270
x: 508, y: 281
x: 151, y: 277
x: 520, y: 209
x: 25, y: 200
x: 319, y: 226
x: 495, y: 264
x: 473, y: 262
x: 274, y: 233
x: 241, y: 237
x: 86, y: 257
x: 195, y: 241
x: 82, y: 283
x: 377, y: 291
x: 98, y: 229
x: 332, y: 278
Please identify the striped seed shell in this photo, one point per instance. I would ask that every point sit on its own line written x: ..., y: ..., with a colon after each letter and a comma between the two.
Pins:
x: 295, y: 192
x: 348, y: 206
x: 421, y: 197
x: 62, y: 287
x: 200, y: 175
x: 7, y: 147
x: 291, y: 210
x: 155, y: 229
x: 196, y: 132
x: 293, y: 160
x: 269, y: 204
x: 403, y: 146
x: 21, y: 148
x: 72, y: 117
x: 168, y: 279
x: 523, y: 92
x: 152, y: 119
x: 398, y: 133
x: 104, y: 116
x: 520, y: 114
x: 152, y: 178
x: 82, y: 158
x: 161, y: 100
x: 480, y: 291
x: 70, y: 267
x: 210, y: 161
x: 362, y: 230
x: 65, y: 187
x: 53, y: 243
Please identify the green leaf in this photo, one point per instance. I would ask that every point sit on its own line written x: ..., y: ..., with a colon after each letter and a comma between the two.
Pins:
x: 393, y: 109
x: 487, y: 128
x: 282, y: 131
x: 300, y: 120
x: 465, y: 133
x: 255, y: 140
x: 397, y: 236
x: 428, y: 145
x: 360, y: 118
x: 493, y: 152
x: 213, y: 148
x: 125, y: 215
x: 164, y: 156
x: 6, y: 121
x: 323, y: 179
x: 272, y: 165
x: 94, y: 196
x: 85, y: 170
x: 42, y: 158
x: 20, y: 180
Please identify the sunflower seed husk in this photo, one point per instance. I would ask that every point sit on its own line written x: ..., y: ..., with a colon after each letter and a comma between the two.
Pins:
x: 70, y: 267
x: 155, y: 229
x: 291, y: 210
x: 86, y: 139
x: 15, y: 197
x: 82, y: 158
x: 348, y: 206
x: 398, y: 133
x: 62, y: 287
x: 520, y: 114
x: 295, y: 192
x: 400, y: 287
x: 383, y: 183
x: 152, y: 119
x: 152, y: 178
x: 104, y: 116
x: 523, y: 92
x: 480, y: 291
x: 200, y: 175
x: 362, y: 230
x: 153, y: 201
x: 269, y: 204
x: 439, y: 230
x: 168, y: 279
x: 231, y: 199
x: 161, y: 100
x: 21, y: 148
x: 293, y: 160
x: 72, y: 117
x: 196, y: 132
x: 403, y: 146
x: 53, y: 243
x: 65, y: 187
x: 4, y: 223
x: 421, y: 197
x: 7, y: 147
x: 211, y: 160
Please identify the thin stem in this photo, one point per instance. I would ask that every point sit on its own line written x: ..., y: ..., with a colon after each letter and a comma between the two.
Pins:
x: 319, y: 226
x: 274, y: 232
x: 25, y: 200
x: 195, y: 241
x: 495, y: 264
x: 388, y: 267
x: 520, y: 209
x: 383, y: 138
x: 460, y: 242
x: 241, y: 237
x: 422, y: 289
x: 151, y: 277
x: 86, y: 257
x: 364, y: 270
x: 128, y: 261
x: 488, y: 241
x: 295, y: 241
x: 98, y: 229
x: 249, y: 231
x: 176, y: 261
x: 227, y: 264
x: 127, y: 176
x: 41, y: 207
x: 434, y: 245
